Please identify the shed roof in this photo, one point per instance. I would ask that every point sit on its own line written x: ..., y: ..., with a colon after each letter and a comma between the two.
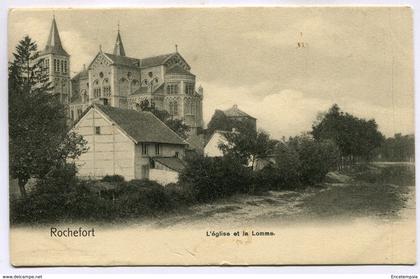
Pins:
x: 173, y: 163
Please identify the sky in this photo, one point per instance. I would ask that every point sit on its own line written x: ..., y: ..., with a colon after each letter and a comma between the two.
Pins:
x: 358, y: 58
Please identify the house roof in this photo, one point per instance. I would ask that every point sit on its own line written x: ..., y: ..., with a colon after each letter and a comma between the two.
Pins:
x: 141, y: 126
x: 234, y: 111
x: 177, y: 69
x: 196, y: 141
x: 173, y: 163
x: 54, y: 45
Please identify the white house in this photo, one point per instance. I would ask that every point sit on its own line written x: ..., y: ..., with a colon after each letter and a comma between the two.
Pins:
x: 129, y: 143
x: 211, y: 149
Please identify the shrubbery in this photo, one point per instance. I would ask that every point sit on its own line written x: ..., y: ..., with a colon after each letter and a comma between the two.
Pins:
x: 208, y: 178
x: 61, y: 196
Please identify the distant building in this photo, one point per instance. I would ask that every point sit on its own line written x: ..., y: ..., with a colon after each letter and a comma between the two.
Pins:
x: 135, y: 145
x: 230, y: 117
x: 234, y: 113
x: 212, y: 147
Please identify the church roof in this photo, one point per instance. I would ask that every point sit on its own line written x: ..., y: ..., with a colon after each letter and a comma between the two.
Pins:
x: 54, y: 45
x: 81, y: 75
x: 234, y: 111
x: 123, y: 60
x: 141, y: 126
x: 155, y: 60
x: 145, y: 90
x: 178, y: 70
x: 119, y: 47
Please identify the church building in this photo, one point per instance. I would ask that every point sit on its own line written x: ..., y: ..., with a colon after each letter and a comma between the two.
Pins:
x: 120, y: 81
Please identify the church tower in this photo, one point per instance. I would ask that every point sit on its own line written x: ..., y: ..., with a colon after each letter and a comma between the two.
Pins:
x: 57, y: 64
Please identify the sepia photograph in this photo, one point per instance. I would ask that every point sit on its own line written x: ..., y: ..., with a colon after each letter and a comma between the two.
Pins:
x: 211, y: 136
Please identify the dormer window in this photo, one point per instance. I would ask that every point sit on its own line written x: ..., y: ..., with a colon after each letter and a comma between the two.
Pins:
x: 101, y: 75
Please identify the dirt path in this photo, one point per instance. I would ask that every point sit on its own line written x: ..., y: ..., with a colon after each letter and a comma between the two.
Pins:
x: 292, y: 206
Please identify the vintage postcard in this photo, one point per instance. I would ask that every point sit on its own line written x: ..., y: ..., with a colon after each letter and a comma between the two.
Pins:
x: 211, y: 136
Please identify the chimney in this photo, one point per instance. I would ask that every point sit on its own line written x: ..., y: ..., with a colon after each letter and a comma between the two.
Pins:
x: 235, y: 106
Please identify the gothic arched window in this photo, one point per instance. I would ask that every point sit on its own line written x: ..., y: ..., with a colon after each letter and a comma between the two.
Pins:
x: 96, y: 89
x: 106, y: 87
x: 173, y: 108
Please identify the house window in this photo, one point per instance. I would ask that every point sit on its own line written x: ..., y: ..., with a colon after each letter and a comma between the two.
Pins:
x: 97, y: 130
x: 172, y: 89
x: 157, y: 148
x: 176, y: 154
x: 65, y: 67
x: 72, y: 115
x: 62, y: 66
x: 55, y: 65
x: 144, y: 149
x: 79, y: 113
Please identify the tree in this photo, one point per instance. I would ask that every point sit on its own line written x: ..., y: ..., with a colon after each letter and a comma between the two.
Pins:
x: 247, y: 145
x: 177, y: 125
x: 316, y: 158
x: 211, y: 178
x: 39, y: 138
x: 398, y: 148
x: 355, y: 137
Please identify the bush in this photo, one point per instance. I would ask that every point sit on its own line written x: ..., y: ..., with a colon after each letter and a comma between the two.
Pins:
x: 113, y: 178
x: 208, y: 178
x: 142, y: 197
x: 61, y: 196
x: 316, y: 158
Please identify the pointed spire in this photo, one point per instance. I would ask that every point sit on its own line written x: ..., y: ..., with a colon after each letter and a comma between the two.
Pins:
x: 54, y: 45
x: 119, y: 48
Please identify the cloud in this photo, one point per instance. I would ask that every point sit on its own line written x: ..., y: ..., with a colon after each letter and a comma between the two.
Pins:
x: 81, y: 49
x: 290, y: 112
